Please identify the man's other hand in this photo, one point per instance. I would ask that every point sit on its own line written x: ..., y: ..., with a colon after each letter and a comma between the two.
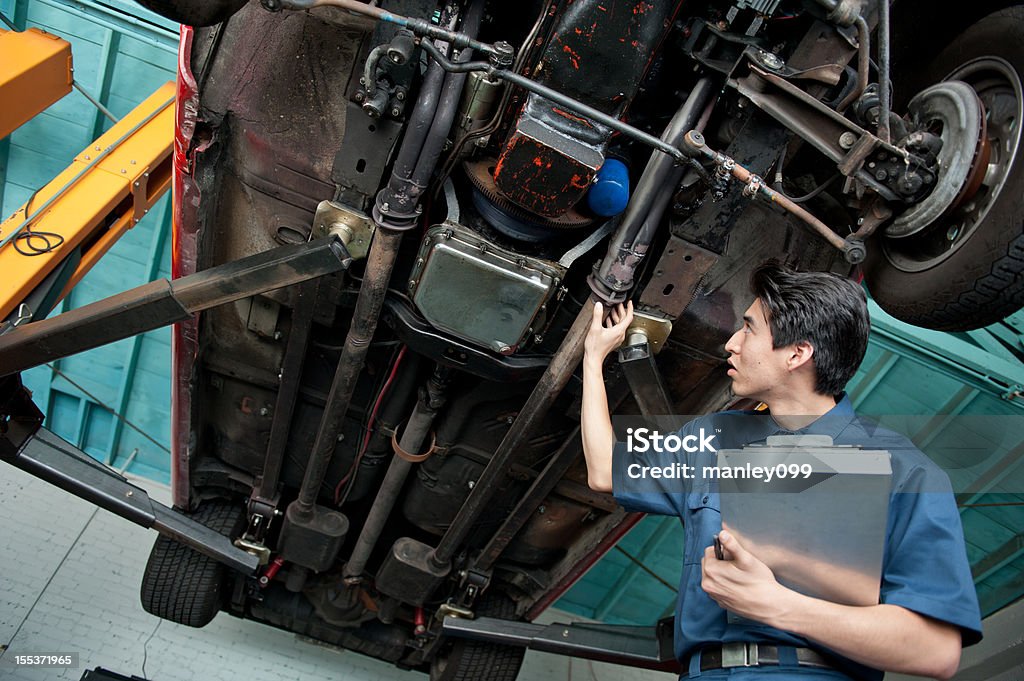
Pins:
x: 605, y: 335
x: 741, y: 583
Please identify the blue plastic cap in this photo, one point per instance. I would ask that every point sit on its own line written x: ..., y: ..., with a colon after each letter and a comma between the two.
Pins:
x: 610, y: 192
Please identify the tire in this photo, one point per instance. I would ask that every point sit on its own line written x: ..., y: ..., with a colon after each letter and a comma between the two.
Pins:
x: 194, y: 12
x: 181, y: 584
x: 979, y: 279
x: 472, y: 660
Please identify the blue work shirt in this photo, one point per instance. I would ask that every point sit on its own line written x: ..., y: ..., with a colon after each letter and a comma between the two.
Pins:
x: 924, y: 567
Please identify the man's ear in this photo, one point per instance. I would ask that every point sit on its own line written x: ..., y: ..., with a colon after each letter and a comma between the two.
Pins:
x: 801, y: 353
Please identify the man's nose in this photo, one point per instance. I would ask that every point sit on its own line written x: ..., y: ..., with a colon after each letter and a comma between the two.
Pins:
x: 732, y: 346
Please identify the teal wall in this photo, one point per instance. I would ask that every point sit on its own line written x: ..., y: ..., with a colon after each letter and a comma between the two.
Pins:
x: 121, y: 53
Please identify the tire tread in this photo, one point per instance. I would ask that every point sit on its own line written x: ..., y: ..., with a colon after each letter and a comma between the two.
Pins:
x: 182, y: 585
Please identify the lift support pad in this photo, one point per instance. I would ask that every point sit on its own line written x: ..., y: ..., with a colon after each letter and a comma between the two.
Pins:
x: 35, y: 71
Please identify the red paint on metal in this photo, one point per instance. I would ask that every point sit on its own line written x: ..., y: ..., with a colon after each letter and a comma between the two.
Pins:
x: 571, y: 116
x: 574, y: 58
x: 184, y: 337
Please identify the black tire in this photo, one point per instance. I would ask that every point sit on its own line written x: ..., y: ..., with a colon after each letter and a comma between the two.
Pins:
x: 194, y: 12
x: 181, y: 584
x: 471, y: 660
x: 981, y: 280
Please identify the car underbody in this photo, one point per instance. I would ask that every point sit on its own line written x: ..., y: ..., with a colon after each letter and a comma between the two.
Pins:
x: 399, y: 441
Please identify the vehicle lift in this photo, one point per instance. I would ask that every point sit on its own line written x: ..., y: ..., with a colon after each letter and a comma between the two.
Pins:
x: 74, y: 220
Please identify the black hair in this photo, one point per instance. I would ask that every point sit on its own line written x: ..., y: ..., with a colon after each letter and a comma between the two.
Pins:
x: 826, y: 310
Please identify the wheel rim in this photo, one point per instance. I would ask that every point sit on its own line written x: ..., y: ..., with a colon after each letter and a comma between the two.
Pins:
x: 999, y: 88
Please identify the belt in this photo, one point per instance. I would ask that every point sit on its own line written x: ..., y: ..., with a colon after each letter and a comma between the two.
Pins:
x: 744, y: 654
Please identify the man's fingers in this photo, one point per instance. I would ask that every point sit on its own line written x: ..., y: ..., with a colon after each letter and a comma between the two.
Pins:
x: 733, y: 547
x: 619, y: 317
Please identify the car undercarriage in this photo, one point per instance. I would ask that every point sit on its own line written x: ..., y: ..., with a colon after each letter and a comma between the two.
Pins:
x: 398, y: 440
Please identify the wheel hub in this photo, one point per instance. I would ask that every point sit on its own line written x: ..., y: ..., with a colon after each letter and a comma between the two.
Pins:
x: 953, y: 111
x: 928, y: 234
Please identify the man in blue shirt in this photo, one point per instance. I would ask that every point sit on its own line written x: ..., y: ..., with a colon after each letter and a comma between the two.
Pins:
x: 802, y: 339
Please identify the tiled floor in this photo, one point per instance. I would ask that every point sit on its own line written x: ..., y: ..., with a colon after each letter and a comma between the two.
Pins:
x: 70, y: 581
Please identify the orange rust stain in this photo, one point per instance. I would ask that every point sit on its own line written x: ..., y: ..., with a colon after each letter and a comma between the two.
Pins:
x: 642, y: 7
x: 572, y: 117
x: 538, y: 161
x: 574, y: 58
x: 580, y: 182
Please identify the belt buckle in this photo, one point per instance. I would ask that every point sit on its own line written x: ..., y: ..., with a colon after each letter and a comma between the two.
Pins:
x: 739, y: 654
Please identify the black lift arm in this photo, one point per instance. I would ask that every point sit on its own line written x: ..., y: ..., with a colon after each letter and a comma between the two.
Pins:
x: 25, y: 444
x: 646, y: 647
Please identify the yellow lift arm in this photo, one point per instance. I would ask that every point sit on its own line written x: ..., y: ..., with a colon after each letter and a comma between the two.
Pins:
x: 48, y: 246
x: 35, y: 71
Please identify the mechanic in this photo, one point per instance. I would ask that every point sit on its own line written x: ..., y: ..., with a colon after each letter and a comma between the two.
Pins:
x: 802, y: 339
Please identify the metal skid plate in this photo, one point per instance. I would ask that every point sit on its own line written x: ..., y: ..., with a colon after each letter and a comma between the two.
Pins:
x: 478, y: 292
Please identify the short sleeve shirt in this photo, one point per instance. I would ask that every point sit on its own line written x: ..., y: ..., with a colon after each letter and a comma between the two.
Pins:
x: 924, y: 568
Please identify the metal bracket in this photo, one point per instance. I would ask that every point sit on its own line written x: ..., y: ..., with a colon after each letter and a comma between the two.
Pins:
x: 473, y: 583
x: 656, y: 330
x: 815, y: 122
x: 355, y: 229
x: 446, y: 610
x: 257, y: 549
x: 1014, y: 392
x: 261, y: 515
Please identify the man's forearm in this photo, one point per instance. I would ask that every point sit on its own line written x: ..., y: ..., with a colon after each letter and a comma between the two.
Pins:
x: 883, y: 636
x: 596, y: 427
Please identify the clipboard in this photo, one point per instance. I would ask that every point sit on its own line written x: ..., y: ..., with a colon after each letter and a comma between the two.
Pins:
x: 822, y: 535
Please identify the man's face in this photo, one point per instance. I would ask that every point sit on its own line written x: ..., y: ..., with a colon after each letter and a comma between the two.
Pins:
x: 756, y: 368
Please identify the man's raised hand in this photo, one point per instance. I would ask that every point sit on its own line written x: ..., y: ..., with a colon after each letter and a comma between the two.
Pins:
x: 607, y: 334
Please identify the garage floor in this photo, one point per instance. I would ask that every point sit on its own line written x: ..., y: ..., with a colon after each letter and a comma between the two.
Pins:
x: 71, y: 576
